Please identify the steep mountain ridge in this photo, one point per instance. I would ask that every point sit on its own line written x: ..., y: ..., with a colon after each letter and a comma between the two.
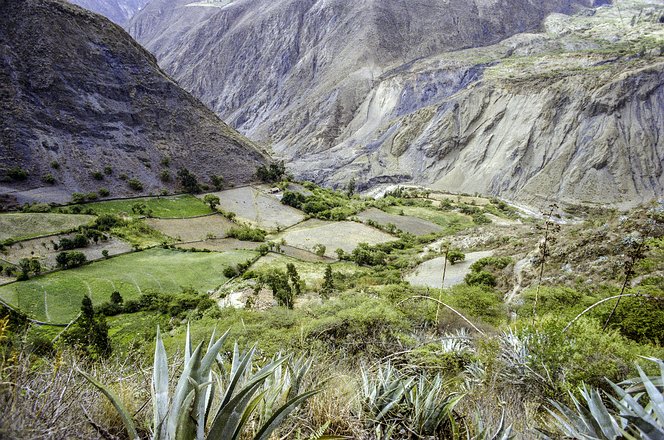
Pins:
x: 385, y: 93
x: 78, y: 95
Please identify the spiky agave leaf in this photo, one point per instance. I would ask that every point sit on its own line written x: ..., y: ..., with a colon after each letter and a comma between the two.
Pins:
x: 160, y: 398
x: 185, y: 385
x: 119, y: 407
x: 590, y: 420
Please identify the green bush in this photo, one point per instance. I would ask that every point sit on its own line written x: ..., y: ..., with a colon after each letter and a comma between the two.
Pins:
x: 135, y: 184
x: 583, y: 354
x: 455, y: 255
x: 247, y: 233
x: 17, y: 174
x: 481, y: 278
x: 48, y: 178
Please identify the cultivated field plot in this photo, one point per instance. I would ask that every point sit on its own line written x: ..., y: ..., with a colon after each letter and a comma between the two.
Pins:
x: 20, y: 226
x: 454, y: 198
x: 182, y: 206
x: 258, y: 208
x: 43, y: 249
x: 413, y: 225
x: 450, y: 221
x: 192, y: 229
x: 56, y: 297
x: 311, y: 273
x: 430, y: 273
x: 221, y: 245
x: 332, y: 235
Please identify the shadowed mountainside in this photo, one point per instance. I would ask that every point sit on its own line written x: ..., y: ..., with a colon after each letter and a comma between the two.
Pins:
x: 78, y: 94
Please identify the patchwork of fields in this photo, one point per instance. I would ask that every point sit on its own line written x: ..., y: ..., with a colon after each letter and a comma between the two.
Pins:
x: 56, y: 297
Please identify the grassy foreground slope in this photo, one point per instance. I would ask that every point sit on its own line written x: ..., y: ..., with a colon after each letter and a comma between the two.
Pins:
x: 57, y: 297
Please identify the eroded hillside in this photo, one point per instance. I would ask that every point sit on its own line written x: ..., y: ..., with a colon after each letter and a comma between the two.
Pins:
x: 444, y: 94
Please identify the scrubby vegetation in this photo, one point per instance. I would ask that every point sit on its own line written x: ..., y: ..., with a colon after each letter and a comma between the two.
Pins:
x: 520, y: 346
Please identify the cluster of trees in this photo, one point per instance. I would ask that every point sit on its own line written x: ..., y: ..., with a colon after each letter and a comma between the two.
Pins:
x: 70, y: 259
x: 271, y: 173
x: 171, y: 304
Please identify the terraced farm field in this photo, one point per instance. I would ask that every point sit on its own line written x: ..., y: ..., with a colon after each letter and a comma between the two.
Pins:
x: 333, y: 235
x: 56, y: 297
x: 21, y: 226
x: 192, y: 229
x: 413, y: 225
x: 312, y: 273
x: 450, y: 221
x: 43, y: 249
x: 258, y: 208
x: 181, y: 206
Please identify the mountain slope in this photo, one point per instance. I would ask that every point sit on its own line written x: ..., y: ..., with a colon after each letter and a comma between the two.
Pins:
x: 574, y: 114
x: 78, y: 94
x: 279, y: 70
x: 118, y: 11
x: 447, y: 93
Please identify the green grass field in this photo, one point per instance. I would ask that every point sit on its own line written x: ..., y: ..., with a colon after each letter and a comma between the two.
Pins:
x: 21, y: 226
x: 57, y: 297
x: 164, y: 207
x: 450, y: 221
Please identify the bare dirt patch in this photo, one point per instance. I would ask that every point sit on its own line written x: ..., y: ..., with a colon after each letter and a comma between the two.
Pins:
x: 430, y: 273
x: 413, y: 225
x: 332, y: 235
x: 259, y: 208
x: 193, y: 229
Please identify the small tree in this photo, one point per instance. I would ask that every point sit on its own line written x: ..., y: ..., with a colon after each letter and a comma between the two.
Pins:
x: 294, y: 279
x: 188, y: 181
x: 217, y: 182
x: 35, y: 266
x: 24, y: 267
x: 90, y: 332
x: 328, y: 283
x: 116, y: 298
x: 281, y: 289
x: 212, y: 201
x: 350, y: 188
x: 319, y: 249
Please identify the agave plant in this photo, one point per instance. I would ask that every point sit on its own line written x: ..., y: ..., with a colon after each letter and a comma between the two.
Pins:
x: 431, y: 406
x: 420, y: 404
x: 637, y: 412
x: 185, y: 414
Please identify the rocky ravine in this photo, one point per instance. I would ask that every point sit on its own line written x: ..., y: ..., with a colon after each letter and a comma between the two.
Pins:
x: 440, y: 95
x: 78, y: 94
x: 119, y: 11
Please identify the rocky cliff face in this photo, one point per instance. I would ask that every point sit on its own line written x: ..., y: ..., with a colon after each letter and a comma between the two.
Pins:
x: 78, y: 94
x: 445, y: 94
x: 119, y: 11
